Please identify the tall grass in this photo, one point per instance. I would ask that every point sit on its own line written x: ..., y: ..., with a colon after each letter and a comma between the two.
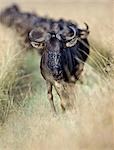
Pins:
x: 14, y: 81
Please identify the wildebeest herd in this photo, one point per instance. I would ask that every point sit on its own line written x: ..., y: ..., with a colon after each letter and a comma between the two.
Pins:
x: 63, y: 47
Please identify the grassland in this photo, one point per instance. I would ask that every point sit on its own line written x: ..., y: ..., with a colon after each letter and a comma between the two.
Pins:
x: 24, y: 108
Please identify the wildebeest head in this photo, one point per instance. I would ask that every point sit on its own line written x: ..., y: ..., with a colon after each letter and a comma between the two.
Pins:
x: 68, y: 36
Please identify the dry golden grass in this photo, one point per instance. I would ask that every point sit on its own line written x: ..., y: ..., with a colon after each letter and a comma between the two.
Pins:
x: 8, y: 69
x: 92, y: 127
x: 11, y: 75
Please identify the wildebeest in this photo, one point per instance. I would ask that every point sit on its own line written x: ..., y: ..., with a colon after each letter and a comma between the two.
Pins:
x: 62, y: 61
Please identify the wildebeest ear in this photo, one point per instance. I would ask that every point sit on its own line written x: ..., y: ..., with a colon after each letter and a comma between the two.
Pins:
x: 84, y: 34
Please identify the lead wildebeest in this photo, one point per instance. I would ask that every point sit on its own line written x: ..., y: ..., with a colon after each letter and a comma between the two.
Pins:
x: 63, y: 60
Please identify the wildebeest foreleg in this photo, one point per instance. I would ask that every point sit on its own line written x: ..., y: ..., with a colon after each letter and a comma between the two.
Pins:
x: 67, y: 101
x: 50, y: 96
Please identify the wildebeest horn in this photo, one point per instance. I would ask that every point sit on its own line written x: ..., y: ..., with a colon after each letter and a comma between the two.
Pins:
x: 37, y: 35
x: 68, y: 38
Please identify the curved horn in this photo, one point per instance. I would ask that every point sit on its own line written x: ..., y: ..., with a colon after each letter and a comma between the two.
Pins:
x: 68, y: 38
x: 36, y: 35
